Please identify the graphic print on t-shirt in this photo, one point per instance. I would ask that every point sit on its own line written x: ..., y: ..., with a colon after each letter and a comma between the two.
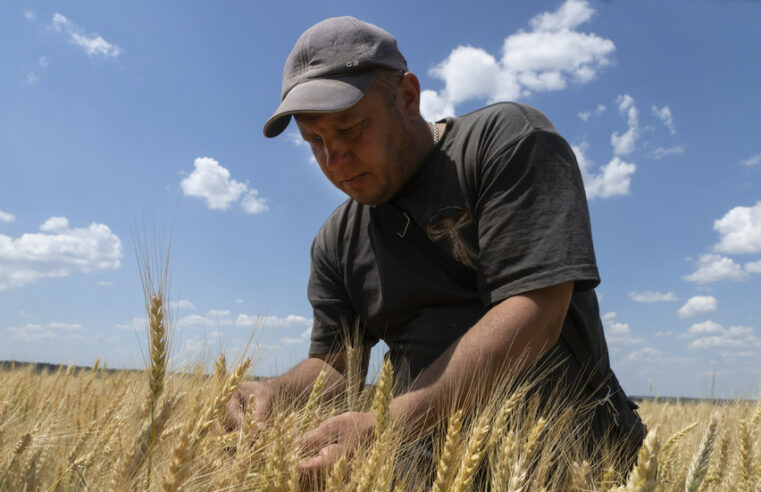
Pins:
x: 447, y: 228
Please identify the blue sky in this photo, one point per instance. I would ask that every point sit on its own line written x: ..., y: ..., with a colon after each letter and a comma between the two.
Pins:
x: 145, y: 119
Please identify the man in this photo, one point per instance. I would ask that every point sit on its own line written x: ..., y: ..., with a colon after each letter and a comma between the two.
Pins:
x: 465, y: 244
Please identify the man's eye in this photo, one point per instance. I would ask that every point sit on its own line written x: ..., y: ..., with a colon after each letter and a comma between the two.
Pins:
x: 353, y: 131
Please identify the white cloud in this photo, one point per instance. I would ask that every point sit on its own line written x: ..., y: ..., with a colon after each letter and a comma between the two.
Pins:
x: 181, y: 304
x: 713, y: 335
x: 199, y: 321
x: 542, y: 59
x: 93, y: 44
x: 613, y: 179
x: 253, y: 204
x: 218, y: 313
x: 643, y: 353
x: 740, y: 230
x: 104, y: 283
x: 662, y: 152
x: 752, y: 160
x: 585, y: 115
x: 272, y: 321
x: 714, y: 268
x: 7, y: 217
x: 753, y: 267
x: 303, y: 338
x: 650, y: 296
x: 698, y: 305
x: 623, y: 144
x: 43, y: 61
x: 701, y: 329
x: 29, y: 15
x: 31, y: 79
x: 212, y: 182
x: 54, y: 330
x: 616, y: 332
x: 664, y: 114
x: 57, y: 252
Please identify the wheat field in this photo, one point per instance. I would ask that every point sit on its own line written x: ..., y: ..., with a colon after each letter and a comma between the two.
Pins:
x: 160, y: 429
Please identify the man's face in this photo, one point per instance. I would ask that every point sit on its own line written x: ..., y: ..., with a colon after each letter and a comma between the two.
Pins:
x: 363, y: 150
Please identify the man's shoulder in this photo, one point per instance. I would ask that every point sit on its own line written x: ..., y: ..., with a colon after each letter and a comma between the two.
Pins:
x: 507, y: 119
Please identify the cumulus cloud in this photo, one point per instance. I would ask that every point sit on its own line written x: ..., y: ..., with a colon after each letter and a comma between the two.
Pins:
x: 585, y: 115
x: 7, y: 217
x: 57, y: 251
x: 612, y: 179
x: 697, y: 305
x: 714, y: 268
x: 753, y: 267
x: 740, y: 230
x: 663, y: 152
x: 751, y: 161
x: 664, y: 114
x: 272, y: 321
x: 212, y: 182
x: 252, y: 203
x: 93, y: 44
x: 216, y: 318
x: 710, y: 335
x: 303, y: 338
x: 54, y: 330
x: 650, y: 296
x: 623, y: 144
x: 542, y: 59
x: 31, y: 79
x: 616, y: 332
x: 643, y: 354
x: 181, y: 304
x: 29, y: 15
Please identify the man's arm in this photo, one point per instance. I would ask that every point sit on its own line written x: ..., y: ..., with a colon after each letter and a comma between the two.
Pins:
x: 296, y: 382
x: 511, y: 335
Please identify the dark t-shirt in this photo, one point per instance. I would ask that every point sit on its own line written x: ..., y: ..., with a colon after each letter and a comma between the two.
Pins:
x: 497, y: 209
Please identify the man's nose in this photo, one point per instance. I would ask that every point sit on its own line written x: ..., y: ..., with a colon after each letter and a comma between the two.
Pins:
x: 336, y: 154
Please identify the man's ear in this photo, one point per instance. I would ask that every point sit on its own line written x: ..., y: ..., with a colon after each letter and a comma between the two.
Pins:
x: 409, y: 95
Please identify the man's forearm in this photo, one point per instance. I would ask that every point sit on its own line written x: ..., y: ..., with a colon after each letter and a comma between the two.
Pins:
x: 299, y: 380
x: 510, y: 336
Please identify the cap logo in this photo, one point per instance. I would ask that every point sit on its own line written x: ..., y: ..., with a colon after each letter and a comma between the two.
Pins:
x: 352, y: 63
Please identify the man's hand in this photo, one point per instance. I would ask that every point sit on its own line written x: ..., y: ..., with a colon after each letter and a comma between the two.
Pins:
x: 338, y: 435
x: 263, y: 394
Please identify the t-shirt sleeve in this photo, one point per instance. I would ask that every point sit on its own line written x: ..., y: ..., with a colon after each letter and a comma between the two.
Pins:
x: 533, y: 220
x: 333, y: 312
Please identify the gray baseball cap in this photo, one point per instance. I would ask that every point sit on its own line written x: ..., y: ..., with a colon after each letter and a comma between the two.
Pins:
x: 331, y: 67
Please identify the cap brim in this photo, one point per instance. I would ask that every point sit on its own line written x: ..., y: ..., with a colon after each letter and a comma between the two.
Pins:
x: 319, y: 96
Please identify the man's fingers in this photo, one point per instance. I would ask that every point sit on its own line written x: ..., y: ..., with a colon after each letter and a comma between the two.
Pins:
x: 323, y: 461
x: 318, y: 438
x: 234, y: 417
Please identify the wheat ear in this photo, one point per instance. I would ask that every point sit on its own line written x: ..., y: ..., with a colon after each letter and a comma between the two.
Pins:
x: 445, y: 469
x: 382, y: 398
x: 473, y: 454
x: 337, y: 474
x: 700, y: 461
x: 746, y: 465
x: 519, y: 475
x: 314, y: 399
x: 643, y: 477
x: 21, y: 446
